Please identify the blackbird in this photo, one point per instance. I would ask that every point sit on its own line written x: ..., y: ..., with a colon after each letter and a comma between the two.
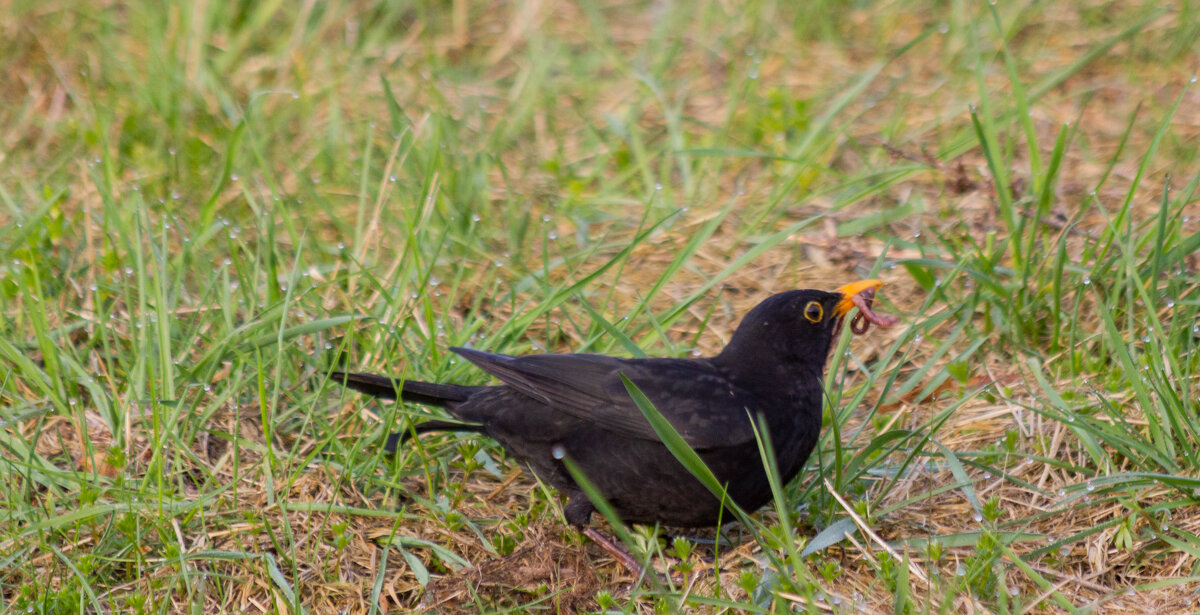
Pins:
x: 553, y: 405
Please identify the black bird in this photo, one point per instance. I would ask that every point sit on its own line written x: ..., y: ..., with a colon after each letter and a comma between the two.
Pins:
x: 554, y: 405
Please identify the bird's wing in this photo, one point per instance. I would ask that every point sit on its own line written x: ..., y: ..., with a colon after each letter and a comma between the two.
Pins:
x: 700, y: 403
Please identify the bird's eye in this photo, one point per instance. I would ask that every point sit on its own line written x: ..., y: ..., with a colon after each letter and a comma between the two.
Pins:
x: 813, y: 312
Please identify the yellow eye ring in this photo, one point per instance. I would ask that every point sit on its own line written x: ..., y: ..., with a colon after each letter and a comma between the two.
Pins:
x: 813, y: 312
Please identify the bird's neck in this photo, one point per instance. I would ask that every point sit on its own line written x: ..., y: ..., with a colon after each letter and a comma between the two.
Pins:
x: 789, y: 378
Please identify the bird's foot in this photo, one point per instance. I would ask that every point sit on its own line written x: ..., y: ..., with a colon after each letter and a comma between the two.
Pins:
x: 625, y: 558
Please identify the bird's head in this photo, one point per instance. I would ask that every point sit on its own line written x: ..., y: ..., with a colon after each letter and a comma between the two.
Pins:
x: 798, y: 326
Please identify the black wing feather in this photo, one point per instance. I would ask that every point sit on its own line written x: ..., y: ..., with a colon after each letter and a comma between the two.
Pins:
x: 589, y: 387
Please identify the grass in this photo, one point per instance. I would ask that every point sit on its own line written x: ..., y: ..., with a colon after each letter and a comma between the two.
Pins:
x: 204, y: 209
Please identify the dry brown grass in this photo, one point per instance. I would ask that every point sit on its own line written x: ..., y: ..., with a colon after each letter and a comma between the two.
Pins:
x: 550, y: 565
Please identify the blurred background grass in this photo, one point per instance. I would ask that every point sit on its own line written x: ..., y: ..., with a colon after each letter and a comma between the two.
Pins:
x: 205, y: 207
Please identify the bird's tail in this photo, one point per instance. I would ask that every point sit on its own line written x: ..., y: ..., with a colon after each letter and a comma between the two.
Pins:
x: 429, y: 393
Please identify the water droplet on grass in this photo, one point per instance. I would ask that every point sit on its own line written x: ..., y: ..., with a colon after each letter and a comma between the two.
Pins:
x: 558, y: 451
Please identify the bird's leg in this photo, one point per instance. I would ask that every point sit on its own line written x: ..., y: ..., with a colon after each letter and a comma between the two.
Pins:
x: 578, y: 512
x: 620, y: 554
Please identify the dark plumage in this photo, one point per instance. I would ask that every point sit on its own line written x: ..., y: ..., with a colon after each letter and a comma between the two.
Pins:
x: 549, y: 405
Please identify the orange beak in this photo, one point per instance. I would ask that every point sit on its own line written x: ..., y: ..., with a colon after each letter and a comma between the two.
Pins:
x: 849, y: 291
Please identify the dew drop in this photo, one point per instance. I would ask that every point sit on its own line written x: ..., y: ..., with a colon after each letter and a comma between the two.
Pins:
x: 558, y: 451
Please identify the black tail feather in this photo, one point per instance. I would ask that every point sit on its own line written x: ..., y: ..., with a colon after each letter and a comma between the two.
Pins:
x: 397, y: 439
x: 429, y: 393
x: 371, y: 384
